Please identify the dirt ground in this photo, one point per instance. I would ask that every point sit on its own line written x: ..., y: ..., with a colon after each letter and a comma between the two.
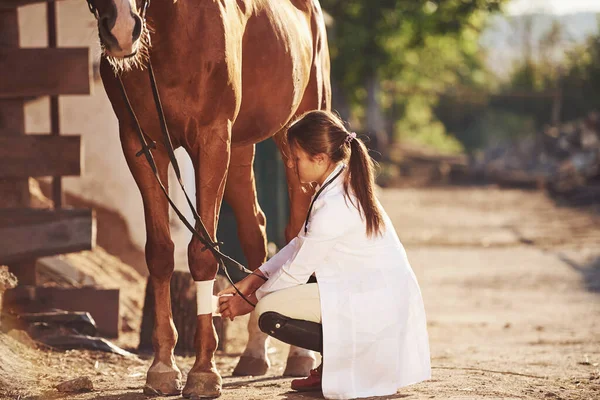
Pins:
x: 511, y: 284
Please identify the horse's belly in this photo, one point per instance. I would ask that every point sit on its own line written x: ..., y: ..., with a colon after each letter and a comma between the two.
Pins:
x: 276, y: 62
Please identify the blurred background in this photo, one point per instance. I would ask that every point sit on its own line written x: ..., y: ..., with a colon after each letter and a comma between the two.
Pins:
x: 511, y: 85
x: 484, y: 116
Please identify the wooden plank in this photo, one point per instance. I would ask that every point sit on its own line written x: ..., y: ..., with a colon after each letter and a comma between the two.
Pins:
x: 12, y: 117
x: 79, y: 321
x: 43, y: 71
x: 40, y: 155
x: 57, y: 192
x: 8, y: 4
x: 13, y: 193
x: 68, y: 342
x: 26, y: 234
x: 102, y: 304
x: 9, y: 28
x: 25, y: 271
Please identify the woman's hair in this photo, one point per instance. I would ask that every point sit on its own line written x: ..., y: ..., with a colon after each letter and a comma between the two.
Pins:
x: 322, y: 132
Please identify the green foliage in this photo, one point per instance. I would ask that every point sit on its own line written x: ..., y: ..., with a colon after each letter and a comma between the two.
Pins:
x: 435, y: 88
x: 416, y: 48
x: 495, y: 126
x: 581, y: 83
x: 540, y: 85
x: 430, y: 132
x: 576, y: 78
x: 388, y: 36
x: 528, y: 77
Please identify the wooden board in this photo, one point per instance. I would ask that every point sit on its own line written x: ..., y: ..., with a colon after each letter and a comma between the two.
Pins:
x: 13, y: 193
x: 40, y: 155
x: 18, y: 3
x: 12, y: 117
x: 41, y: 72
x: 102, y: 304
x: 26, y: 234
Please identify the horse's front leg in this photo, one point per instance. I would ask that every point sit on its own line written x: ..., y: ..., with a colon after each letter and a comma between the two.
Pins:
x: 163, y: 377
x: 211, y: 159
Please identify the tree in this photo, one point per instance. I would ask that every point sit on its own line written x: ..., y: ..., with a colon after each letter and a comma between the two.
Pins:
x: 421, y: 44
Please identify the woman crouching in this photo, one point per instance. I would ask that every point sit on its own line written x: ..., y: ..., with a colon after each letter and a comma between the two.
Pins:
x: 365, y: 312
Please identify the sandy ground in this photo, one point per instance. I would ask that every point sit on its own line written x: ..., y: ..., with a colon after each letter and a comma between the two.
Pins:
x: 511, y: 284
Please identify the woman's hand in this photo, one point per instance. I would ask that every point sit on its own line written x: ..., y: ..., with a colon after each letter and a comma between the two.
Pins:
x: 247, y: 286
x: 231, y: 306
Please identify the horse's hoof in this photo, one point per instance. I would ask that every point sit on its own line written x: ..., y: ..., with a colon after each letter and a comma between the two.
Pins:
x: 203, y: 385
x: 250, y: 366
x: 163, y: 380
x: 299, y: 366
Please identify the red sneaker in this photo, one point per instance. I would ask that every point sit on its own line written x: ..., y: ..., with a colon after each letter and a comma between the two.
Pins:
x: 308, y: 384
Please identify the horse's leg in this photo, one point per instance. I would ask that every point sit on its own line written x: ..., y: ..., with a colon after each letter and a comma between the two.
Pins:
x: 300, y: 361
x: 163, y: 377
x: 210, y: 157
x: 240, y: 194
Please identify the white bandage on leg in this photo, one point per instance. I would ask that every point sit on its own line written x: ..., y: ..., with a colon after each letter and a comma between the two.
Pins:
x: 205, y: 301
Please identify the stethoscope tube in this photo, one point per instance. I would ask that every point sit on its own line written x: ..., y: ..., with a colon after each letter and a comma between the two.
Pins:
x: 312, y: 203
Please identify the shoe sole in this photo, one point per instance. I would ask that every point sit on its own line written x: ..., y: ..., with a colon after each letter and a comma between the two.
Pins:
x: 308, y: 389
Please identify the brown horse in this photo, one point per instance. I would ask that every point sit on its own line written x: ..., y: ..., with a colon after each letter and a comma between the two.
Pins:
x: 230, y: 73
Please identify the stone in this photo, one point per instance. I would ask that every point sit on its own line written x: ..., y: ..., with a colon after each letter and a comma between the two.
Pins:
x: 82, y: 384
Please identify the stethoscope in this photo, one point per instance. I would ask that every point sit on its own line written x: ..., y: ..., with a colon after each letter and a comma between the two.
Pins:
x: 312, y: 203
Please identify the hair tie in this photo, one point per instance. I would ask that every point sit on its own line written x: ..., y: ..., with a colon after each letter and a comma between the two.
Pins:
x: 351, y: 136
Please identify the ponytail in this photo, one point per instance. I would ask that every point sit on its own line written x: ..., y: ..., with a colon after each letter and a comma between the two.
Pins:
x: 362, y: 181
x: 322, y: 132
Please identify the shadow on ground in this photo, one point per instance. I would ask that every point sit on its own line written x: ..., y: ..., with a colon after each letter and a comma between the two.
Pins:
x: 590, y: 272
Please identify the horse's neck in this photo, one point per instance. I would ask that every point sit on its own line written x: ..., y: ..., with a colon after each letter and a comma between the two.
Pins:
x: 164, y: 14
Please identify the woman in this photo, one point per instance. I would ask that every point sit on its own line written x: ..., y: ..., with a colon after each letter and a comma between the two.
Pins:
x: 365, y: 313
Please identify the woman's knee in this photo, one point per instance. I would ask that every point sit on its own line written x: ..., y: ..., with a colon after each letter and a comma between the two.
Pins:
x: 265, y: 304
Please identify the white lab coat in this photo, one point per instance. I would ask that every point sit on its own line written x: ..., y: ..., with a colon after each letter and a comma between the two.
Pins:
x: 374, y: 328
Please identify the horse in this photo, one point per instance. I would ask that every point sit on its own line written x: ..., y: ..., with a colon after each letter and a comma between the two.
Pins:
x: 230, y: 73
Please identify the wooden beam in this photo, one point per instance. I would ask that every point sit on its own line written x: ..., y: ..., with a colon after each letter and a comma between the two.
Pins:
x: 102, y: 304
x: 43, y: 71
x: 57, y: 192
x: 13, y: 193
x: 18, y: 3
x: 28, y: 233
x: 40, y: 155
x: 12, y: 117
